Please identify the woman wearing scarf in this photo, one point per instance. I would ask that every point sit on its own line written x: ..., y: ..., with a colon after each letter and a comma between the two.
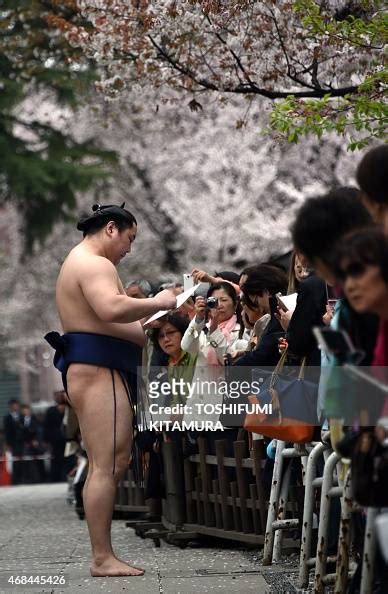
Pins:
x: 211, y: 335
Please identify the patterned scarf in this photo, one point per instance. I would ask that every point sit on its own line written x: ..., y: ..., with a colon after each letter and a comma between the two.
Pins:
x: 226, y: 328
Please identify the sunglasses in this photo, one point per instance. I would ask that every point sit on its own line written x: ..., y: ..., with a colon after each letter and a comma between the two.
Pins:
x: 354, y: 269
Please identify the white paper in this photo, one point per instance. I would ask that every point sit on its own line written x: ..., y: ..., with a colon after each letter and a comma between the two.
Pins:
x: 180, y: 300
x: 289, y: 301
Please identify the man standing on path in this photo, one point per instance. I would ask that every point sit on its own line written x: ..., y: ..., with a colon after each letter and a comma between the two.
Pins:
x: 98, y: 356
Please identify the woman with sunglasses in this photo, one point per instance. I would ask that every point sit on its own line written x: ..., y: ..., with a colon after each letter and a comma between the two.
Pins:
x: 363, y: 272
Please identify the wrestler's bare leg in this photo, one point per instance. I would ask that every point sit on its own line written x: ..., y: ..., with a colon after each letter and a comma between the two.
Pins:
x: 91, y: 394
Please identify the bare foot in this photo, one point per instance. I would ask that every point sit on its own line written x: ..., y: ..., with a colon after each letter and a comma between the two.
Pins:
x: 114, y: 567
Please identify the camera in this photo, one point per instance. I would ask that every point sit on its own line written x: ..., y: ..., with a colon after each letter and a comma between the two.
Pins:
x: 212, y: 302
x: 188, y: 282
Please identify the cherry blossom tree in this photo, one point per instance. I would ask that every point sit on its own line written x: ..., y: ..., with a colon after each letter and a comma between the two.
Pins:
x: 207, y: 185
x: 319, y: 62
x: 205, y: 193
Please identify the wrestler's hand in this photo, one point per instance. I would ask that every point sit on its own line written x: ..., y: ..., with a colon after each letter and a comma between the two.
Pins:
x: 166, y: 299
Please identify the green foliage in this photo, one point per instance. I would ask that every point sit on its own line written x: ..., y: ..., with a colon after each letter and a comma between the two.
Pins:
x: 361, y: 116
x: 320, y: 62
x: 364, y: 24
x: 42, y: 167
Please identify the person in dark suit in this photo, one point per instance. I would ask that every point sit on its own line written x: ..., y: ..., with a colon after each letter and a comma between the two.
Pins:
x: 33, y: 470
x: 13, y: 433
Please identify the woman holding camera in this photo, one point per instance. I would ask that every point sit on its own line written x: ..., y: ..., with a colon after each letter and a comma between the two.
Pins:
x: 214, y: 329
x: 212, y: 334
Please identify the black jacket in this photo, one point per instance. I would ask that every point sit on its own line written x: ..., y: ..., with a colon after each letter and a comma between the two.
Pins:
x: 266, y: 353
x: 13, y: 433
x: 310, y: 308
x: 32, y: 431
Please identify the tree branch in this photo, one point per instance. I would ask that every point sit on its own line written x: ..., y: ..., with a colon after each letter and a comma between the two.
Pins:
x: 249, y: 87
x: 290, y: 75
x: 239, y: 64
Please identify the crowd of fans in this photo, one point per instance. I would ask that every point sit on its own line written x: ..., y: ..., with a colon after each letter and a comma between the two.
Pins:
x: 337, y: 274
x: 337, y: 279
x: 236, y: 322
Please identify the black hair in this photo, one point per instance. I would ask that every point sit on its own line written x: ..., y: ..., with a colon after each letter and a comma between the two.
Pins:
x: 372, y: 174
x: 102, y: 215
x: 178, y: 321
x: 231, y: 292
x: 228, y: 275
x: 247, y: 270
x: 13, y: 401
x: 280, y: 260
x: 262, y: 278
x: 323, y: 220
x: 276, y: 265
x: 366, y: 247
x: 227, y: 287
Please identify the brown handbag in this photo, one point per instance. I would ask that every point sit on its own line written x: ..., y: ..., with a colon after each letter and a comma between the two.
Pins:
x: 281, y: 425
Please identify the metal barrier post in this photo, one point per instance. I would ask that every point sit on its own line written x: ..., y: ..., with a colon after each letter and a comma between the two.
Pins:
x: 342, y: 568
x: 307, y: 524
x: 282, y: 509
x: 276, y: 520
x: 273, y: 500
x: 326, y: 494
x: 368, y: 556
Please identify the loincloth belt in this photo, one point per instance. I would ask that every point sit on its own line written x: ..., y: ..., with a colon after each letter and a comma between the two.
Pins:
x: 100, y: 350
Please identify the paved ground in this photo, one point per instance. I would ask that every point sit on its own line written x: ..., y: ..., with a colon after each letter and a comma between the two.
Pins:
x: 40, y: 534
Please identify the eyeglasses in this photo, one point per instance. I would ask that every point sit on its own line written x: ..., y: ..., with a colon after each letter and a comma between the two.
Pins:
x: 167, y: 334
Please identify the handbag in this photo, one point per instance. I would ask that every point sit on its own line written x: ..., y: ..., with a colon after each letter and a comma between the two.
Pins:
x: 293, y: 400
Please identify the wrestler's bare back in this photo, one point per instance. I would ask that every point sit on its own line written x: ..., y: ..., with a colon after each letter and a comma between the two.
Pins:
x: 80, y: 272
